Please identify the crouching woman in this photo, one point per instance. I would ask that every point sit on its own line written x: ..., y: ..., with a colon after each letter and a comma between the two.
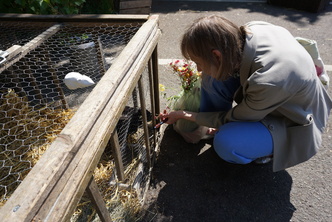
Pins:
x: 281, y: 106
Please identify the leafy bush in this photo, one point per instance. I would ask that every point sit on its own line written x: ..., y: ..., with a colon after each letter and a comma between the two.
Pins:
x: 42, y: 6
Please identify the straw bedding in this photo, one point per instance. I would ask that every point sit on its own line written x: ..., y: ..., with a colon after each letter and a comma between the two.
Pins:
x: 25, y: 134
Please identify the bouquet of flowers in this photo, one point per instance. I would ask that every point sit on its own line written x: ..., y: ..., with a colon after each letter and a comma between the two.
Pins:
x: 189, y: 97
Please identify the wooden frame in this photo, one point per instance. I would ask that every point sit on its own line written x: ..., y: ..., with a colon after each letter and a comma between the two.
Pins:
x: 57, y: 182
x: 135, y: 6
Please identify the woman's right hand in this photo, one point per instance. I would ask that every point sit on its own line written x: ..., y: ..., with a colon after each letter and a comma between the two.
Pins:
x: 174, y: 116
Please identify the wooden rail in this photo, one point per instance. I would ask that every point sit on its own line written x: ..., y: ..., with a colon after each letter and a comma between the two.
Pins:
x: 54, y: 186
x: 75, y: 18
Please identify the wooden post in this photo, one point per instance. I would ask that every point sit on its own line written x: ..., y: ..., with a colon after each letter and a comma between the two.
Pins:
x: 145, y: 122
x: 117, y: 156
x: 156, y: 79
x: 56, y: 82
x: 102, y: 57
x: 152, y: 99
x: 98, y: 201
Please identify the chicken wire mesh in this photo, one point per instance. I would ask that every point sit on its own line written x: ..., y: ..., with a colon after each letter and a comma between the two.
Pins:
x: 35, y: 103
x: 124, y: 198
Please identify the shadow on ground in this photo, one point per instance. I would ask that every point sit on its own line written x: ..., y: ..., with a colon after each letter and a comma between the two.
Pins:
x: 191, y: 183
x: 289, y: 14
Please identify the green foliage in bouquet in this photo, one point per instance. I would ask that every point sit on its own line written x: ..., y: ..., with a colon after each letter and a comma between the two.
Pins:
x: 189, y: 97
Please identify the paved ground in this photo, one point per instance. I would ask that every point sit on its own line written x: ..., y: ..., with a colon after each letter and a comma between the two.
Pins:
x: 190, y: 183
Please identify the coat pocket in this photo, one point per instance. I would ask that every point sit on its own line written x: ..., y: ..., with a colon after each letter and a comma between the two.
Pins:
x: 301, y: 141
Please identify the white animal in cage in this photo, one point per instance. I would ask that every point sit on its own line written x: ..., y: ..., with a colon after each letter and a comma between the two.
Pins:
x: 75, y: 80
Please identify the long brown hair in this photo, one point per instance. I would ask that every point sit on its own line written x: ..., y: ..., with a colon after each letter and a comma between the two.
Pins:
x: 215, y: 32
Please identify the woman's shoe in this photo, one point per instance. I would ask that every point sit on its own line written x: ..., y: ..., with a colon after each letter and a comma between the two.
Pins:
x: 263, y: 160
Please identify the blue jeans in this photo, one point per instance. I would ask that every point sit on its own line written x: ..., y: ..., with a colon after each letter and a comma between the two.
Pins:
x: 235, y: 142
x: 217, y: 95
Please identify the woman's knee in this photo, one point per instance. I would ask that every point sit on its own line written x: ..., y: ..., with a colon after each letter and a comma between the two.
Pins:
x: 243, y: 142
x: 227, y: 149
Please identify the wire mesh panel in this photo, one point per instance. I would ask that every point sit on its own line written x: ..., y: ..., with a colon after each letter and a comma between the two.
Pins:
x: 20, y: 33
x: 38, y: 97
x: 124, y: 198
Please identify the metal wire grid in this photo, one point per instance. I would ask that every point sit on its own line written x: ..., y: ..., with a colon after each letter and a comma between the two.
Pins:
x: 35, y: 104
x: 134, y: 156
x: 19, y: 33
x: 130, y: 128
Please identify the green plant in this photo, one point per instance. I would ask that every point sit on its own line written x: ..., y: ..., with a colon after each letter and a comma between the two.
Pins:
x: 42, y: 6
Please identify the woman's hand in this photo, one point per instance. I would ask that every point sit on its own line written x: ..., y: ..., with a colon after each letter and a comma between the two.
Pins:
x: 174, y: 116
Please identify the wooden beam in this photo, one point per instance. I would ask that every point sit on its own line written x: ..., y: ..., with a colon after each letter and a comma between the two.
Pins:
x: 79, y: 18
x: 117, y: 156
x: 143, y: 11
x: 98, y: 201
x: 135, y: 6
x: 152, y: 101
x: 156, y: 79
x: 144, y: 120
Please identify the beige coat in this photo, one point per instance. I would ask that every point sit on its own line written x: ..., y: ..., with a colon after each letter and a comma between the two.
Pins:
x: 280, y: 88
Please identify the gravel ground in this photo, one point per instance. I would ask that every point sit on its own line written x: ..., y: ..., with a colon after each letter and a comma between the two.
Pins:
x: 191, y: 183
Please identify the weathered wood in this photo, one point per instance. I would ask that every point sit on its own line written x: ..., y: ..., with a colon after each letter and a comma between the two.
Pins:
x: 152, y: 101
x: 98, y: 201
x: 56, y: 82
x: 145, y: 122
x: 56, y: 183
x: 117, y: 156
x: 143, y: 11
x: 135, y: 6
x: 156, y: 79
x: 80, y: 17
x: 13, y: 50
x: 31, y: 45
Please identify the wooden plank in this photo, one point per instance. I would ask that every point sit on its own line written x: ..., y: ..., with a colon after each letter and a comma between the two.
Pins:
x: 156, y: 79
x: 135, y: 4
x: 56, y: 82
x: 13, y: 50
x: 117, y: 156
x: 50, y: 173
x: 144, y: 119
x: 80, y: 17
x: 152, y: 101
x: 98, y: 201
x: 136, y: 11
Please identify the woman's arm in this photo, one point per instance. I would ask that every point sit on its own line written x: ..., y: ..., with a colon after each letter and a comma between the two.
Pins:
x: 172, y: 117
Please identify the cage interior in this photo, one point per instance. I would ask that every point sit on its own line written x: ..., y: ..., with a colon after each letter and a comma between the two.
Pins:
x: 35, y: 102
